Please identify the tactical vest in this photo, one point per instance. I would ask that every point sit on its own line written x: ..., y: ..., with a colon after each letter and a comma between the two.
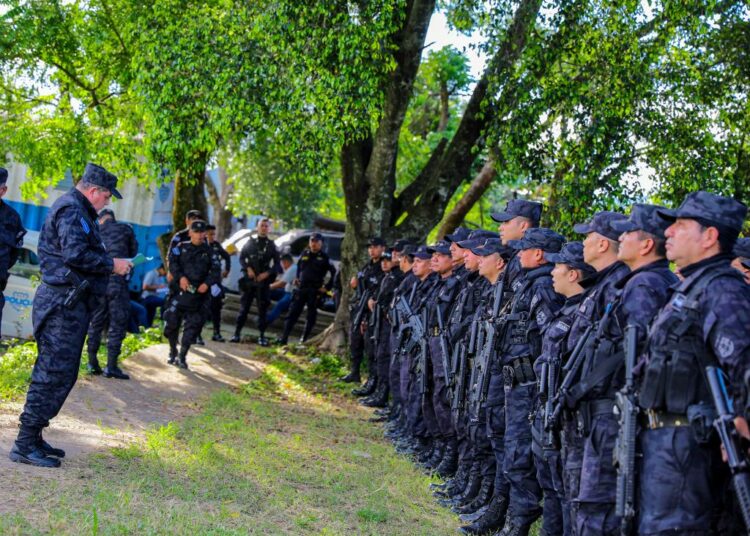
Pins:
x: 674, y: 377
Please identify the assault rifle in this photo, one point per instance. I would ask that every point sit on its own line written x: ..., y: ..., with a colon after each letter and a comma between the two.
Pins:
x: 624, y: 456
x: 734, y: 445
x: 443, y: 345
x: 484, y: 357
x: 361, y: 308
x: 551, y: 375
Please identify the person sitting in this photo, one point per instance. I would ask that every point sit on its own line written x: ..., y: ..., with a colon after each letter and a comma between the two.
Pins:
x: 154, y: 292
x: 282, y: 290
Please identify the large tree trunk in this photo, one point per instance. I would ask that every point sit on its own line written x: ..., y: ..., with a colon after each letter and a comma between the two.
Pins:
x: 219, y: 199
x: 479, y: 185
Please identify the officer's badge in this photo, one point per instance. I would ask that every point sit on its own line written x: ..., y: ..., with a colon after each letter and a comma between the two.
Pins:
x: 725, y: 346
x: 85, y: 225
x: 541, y: 317
x: 562, y: 326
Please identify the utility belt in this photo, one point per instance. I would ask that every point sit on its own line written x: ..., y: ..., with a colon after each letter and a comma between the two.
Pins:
x: 589, y: 409
x: 654, y: 419
x: 520, y: 371
x: 434, y: 331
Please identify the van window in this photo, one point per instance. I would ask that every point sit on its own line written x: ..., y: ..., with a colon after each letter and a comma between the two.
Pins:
x: 298, y: 246
x: 333, y: 247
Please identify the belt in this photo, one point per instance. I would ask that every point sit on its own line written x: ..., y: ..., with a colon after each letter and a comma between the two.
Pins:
x: 600, y: 406
x: 435, y: 331
x: 661, y: 419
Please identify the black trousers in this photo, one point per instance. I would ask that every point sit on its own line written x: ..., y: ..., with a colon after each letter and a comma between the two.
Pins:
x: 259, y: 292
x: 303, y: 297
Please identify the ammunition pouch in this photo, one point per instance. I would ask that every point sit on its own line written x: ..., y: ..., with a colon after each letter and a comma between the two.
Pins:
x: 520, y: 371
x: 589, y: 409
x: 701, y: 418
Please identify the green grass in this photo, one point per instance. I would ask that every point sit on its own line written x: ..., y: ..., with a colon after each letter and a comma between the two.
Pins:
x: 286, y: 454
x: 19, y: 357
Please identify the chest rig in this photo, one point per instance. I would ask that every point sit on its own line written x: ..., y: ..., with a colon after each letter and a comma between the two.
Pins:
x: 674, y: 376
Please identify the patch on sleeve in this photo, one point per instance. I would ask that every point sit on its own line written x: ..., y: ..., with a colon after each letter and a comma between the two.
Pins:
x: 85, y: 225
x: 175, y: 251
x: 541, y: 317
x: 725, y: 346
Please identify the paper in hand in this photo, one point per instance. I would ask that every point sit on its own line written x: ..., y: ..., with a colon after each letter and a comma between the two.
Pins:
x: 140, y: 259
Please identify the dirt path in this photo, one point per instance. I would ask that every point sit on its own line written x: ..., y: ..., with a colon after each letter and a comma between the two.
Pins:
x: 102, y: 413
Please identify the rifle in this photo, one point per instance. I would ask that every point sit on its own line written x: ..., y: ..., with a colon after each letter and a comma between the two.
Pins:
x: 551, y: 440
x: 443, y: 345
x: 361, y: 308
x: 482, y: 363
x: 570, y: 369
x: 460, y: 377
x: 734, y: 445
x: 376, y: 319
x: 422, y: 359
x: 624, y: 456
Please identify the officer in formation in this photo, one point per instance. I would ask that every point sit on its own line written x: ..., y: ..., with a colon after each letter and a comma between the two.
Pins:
x: 120, y: 242
x: 572, y: 381
x: 74, y: 270
x: 216, y: 302
x: 260, y: 263
x: 11, y: 237
x: 310, y: 284
x: 194, y: 271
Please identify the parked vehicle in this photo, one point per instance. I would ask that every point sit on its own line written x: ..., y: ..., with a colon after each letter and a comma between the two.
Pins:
x: 19, y: 293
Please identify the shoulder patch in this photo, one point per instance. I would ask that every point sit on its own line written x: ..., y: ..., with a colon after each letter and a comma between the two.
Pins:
x: 175, y: 251
x: 725, y: 346
x: 85, y: 225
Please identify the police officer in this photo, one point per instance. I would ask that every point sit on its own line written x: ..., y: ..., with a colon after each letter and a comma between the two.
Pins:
x: 639, y: 296
x: 120, y: 242
x: 682, y: 478
x: 312, y: 267
x: 11, y: 237
x: 567, y: 274
x: 260, y: 262
x: 519, y: 216
x: 742, y: 257
x: 365, y: 285
x: 217, y: 289
x: 194, y: 271
x: 381, y: 333
x: 183, y: 236
x: 74, y: 268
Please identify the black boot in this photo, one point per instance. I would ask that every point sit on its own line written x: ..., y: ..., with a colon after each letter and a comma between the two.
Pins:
x: 437, y: 455
x: 470, y: 488
x: 379, y: 399
x: 48, y: 449
x: 172, y: 354
x: 448, y: 465
x: 352, y: 377
x: 515, y: 527
x: 181, y: 361
x: 368, y: 388
x: 454, y: 486
x: 492, y: 520
x: 483, y: 495
x: 26, y: 449
x: 237, y: 336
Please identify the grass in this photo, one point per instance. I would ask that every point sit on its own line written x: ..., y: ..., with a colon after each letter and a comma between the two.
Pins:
x: 288, y: 453
x: 19, y: 357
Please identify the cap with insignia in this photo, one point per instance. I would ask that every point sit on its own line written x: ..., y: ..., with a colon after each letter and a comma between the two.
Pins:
x: 376, y: 241
x: 715, y: 210
x: 572, y: 255
x: 461, y: 233
x: 442, y: 247
x: 601, y: 223
x: 99, y: 176
x: 422, y: 253
x: 539, y: 237
x: 642, y: 218
x: 519, y: 207
x: 199, y: 226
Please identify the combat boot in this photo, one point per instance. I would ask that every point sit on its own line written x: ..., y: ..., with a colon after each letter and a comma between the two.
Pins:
x: 217, y: 337
x: 236, y: 337
x: 352, y: 377
x: 48, y: 449
x: 466, y: 490
x: 492, y: 520
x: 181, y: 361
x: 367, y: 389
x: 483, y: 495
x: 448, y: 465
x: 26, y: 449
x: 379, y: 399
x: 172, y: 354
x: 515, y: 527
x: 437, y: 455
x: 453, y: 486
x: 93, y: 365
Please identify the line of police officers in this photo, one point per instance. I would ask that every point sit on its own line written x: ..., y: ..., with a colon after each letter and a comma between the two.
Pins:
x: 569, y: 381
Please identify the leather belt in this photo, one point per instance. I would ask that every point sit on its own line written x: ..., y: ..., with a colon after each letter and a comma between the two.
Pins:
x: 661, y: 419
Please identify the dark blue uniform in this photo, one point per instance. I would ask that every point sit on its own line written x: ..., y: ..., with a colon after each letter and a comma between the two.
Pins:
x: 311, y: 273
x: 260, y: 254
x: 640, y: 295
x: 682, y: 478
x: 11, y: 241
x: 197, y: 264
x: 216, y: 302
x: 383, y: 341
x: 368, y: 280
x: 120, y: 242
x: 70, y: 251
x: 398, y: 370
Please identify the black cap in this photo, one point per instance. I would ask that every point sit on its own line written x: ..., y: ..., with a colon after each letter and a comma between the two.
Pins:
x: 376, y: 241
x: 461, y: 233
x: 539, y: 237
x: 210, y: 227
x: 572, y: 255
x: 106, y: 212
x: 422, y: 253
x: 520, y: 207
x: 477, y: 238
x: 409, y: 250
x: 194, y: 215
x: 386, y: 256
x: 199, y: 226
x: 490, y: 246
x: 723, y: 212
x: 400, y: 244
x: 742, y: 248
x: 642, y: 218
x: 3, y: 176
x: 746, y: 263
x: 317, y: 237
x: 443, y: 247
x: 601, y: 223
x: 99, y: 176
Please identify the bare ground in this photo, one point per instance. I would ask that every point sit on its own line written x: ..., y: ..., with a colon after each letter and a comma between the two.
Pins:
x: 103, y: 413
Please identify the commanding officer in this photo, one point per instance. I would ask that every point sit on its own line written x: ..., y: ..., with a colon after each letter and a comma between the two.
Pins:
x: 742, y: 257
x: 217, y: 290
x: 312, y: 267
x: 11, y: 237
x: 193, y: 273
x: 639, y: 296
x: 569, y: 270
x: 74, y: 267
x: 120, y: 242
x: 682, y: 478
x: 260, y: 262
x: 365, y: 285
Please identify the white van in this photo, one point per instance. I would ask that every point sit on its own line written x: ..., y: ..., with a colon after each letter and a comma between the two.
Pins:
x: 19, y: 293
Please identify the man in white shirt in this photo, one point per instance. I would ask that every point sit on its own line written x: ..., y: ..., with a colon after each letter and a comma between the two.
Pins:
x: 282, y: 288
